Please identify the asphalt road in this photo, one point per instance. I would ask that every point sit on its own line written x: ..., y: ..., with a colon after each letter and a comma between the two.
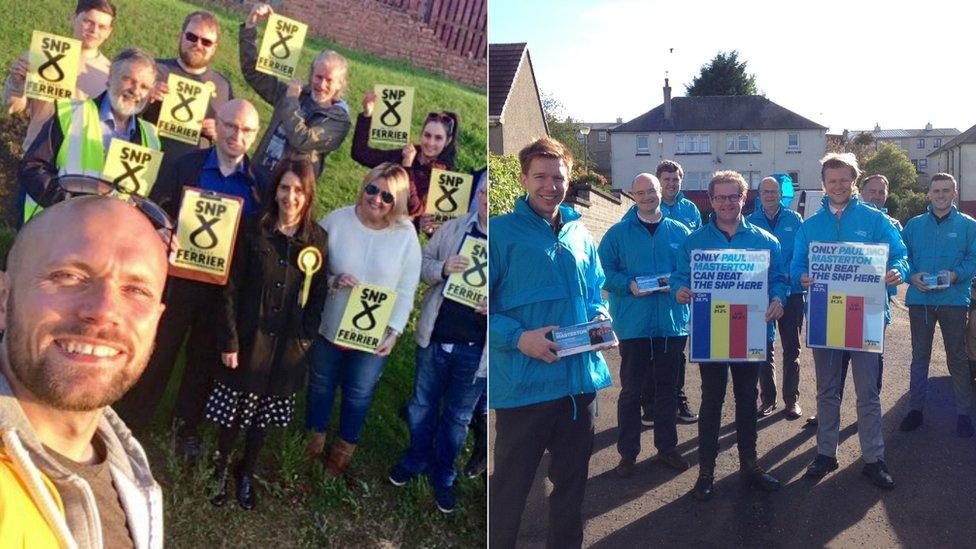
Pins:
x: 933, y: 504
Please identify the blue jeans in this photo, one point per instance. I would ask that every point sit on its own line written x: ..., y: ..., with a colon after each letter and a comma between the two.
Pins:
x: 356, y: 371
x: 445, y: 393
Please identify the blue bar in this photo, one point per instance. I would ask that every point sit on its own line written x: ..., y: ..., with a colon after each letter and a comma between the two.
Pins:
x: 817, y: 320
x: 701, y: 326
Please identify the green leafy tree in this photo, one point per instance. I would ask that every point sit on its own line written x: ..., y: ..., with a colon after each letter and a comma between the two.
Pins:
x: 505, y: 187
x: 565, y: 129
x: 723, y: 75
x: 903, y: 201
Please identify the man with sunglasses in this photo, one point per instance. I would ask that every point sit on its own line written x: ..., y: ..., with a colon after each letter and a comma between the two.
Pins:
x: 80, y: 305
x: 197, y: 47
x: 192, y: 305
x: 728, y: 228
x: 93, y: 23
x: 308, y: 120
x: 76, y: 139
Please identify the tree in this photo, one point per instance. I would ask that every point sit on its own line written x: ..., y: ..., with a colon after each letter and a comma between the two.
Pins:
x: 723, y: 75
x: 564, y: 129
x: 903, y: 201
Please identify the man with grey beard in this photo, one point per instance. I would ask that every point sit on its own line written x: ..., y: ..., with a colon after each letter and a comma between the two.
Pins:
x: 76, y: 138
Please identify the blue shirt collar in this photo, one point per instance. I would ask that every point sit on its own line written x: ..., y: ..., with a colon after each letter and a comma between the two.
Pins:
x: 105, y: 115
x: 212, y: 163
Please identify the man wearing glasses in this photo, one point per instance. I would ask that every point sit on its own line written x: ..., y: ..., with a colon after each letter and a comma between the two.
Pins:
x: 191, y: 305
x: 80, y: 305
x: 197, y: 47
x: 76, y: 139
x: 783, y: 223
x: 845, y: 218
x: 729, y: 229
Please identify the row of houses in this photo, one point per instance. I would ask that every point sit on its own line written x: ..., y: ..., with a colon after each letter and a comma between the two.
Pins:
x: 749, y: 134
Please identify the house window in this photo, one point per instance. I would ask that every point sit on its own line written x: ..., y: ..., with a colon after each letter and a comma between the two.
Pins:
x: 602, y: 137
x: 642, y: 145
x: 920, y: 144
x: 937, y: 143
x: 795, y: 176
x: 793, y: 142
x: 692, y: 144
x: 743, y: 143
x: 923, y: 163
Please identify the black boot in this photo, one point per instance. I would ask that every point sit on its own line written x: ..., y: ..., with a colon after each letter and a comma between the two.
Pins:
x: 245, y: 490
x: 220, y: 481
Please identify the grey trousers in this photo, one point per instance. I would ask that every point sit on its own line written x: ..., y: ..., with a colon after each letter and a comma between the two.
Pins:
x: 789, y: 326
x: 865, y: 371
x: 952, y: 321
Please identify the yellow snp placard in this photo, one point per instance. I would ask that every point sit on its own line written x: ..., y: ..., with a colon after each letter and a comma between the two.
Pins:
x: 390, y: 124
x: 366, y: 317
x: 132, y: 167
x: 449, y: 193
x: 54, y: 62
x: 470, y: 286
x: 206, y: 231
x: 184, y: 108
x: 281, y: 46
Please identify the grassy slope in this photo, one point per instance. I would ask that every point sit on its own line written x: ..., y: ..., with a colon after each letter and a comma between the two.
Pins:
x: 298, y: 506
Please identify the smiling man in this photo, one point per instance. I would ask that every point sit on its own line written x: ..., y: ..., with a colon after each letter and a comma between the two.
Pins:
x: 845, y: 218
x: 76, y: 139
x: 81, y: 306
x: 941, y: 239
x: 544, y: 273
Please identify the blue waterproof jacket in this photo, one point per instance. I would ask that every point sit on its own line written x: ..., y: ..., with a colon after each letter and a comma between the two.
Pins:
x: 747, y: 237
x: 787, y: 223
x: 859, y: 222
x: 538, y: 280
x: 932, y: 247
x: 628, y: 251
x: 894, y: 221
x: 684, y: 210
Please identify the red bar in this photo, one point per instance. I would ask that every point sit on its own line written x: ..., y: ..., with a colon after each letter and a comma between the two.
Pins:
x: 738, y: 321
x: 854, y: 336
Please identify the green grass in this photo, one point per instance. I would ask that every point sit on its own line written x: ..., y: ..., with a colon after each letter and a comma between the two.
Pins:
x: 298, y: 506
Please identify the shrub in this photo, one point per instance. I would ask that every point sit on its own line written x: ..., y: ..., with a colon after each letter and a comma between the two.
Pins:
x: 504, y: 172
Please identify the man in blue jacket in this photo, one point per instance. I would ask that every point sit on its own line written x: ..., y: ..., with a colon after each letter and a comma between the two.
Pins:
x: 729, y: 229
x: 783, y: 223
x: 845, y: 218
x: 544, y: 273
x: 941, y: 239
x: 651, y: 326
x: 675, y: 206
x: 874, y: 191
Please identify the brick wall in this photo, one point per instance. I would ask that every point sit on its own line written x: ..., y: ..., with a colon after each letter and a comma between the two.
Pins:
x: 599, y: 209
x: 378, y: 29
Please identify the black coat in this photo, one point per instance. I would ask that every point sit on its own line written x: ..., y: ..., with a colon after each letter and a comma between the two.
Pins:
x: 262, y: 319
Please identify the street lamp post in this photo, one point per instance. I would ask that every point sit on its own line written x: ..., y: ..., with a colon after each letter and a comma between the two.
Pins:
x: 585, y: 131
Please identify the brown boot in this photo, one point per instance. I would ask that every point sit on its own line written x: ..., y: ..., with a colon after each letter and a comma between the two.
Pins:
x: 339, y: 457
x: 316, y: 445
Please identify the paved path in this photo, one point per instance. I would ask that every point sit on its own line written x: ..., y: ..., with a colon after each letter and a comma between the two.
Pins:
x: 933, y: 505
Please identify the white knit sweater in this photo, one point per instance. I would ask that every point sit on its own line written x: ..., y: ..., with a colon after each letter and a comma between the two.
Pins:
x: 387, y: 257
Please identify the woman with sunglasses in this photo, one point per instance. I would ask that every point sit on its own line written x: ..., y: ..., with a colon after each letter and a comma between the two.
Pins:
x: 437, y: 149
x: 373, y: 242
x: 271, y: 311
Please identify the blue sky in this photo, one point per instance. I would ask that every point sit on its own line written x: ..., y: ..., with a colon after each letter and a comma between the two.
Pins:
x: 847, y: 64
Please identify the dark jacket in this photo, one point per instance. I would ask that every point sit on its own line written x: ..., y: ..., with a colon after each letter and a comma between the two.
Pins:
x: 311, y: 130
x: 262, y: 319
x: 168, y: 190
x: 419, y: 173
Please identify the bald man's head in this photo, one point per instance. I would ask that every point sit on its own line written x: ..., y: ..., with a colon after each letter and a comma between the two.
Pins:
x: 646, y: 190
x: 83, y: 290
x: 237, y: 128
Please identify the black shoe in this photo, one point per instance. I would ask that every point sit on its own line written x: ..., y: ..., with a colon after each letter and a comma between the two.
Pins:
x: 964, y: 427
x: 703, y: 487
x: 759, y: 479
x: 879, y: 475
x: 766, y: 410
x: 821, y: 466
x: 811, y: 423
x: 685, y: 415
x: 912, y: 421
x: 245, y: 491
x: 189, y: 448
x: 647, y: 420
x: 399, y: 476
x: 477, y: 464
x: 220, y: 480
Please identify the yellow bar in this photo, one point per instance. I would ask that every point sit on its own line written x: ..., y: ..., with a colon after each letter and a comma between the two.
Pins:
x: 720, y: 329
x: 836, y: 319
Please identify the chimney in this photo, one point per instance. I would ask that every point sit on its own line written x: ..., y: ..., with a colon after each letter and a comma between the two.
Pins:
x: 928, y: 126
x: 620, y: 120
x: 667, y: 100
x: 877, y: 127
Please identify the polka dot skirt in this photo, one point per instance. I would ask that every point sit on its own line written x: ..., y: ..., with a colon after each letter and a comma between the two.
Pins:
x: 230, y: 408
